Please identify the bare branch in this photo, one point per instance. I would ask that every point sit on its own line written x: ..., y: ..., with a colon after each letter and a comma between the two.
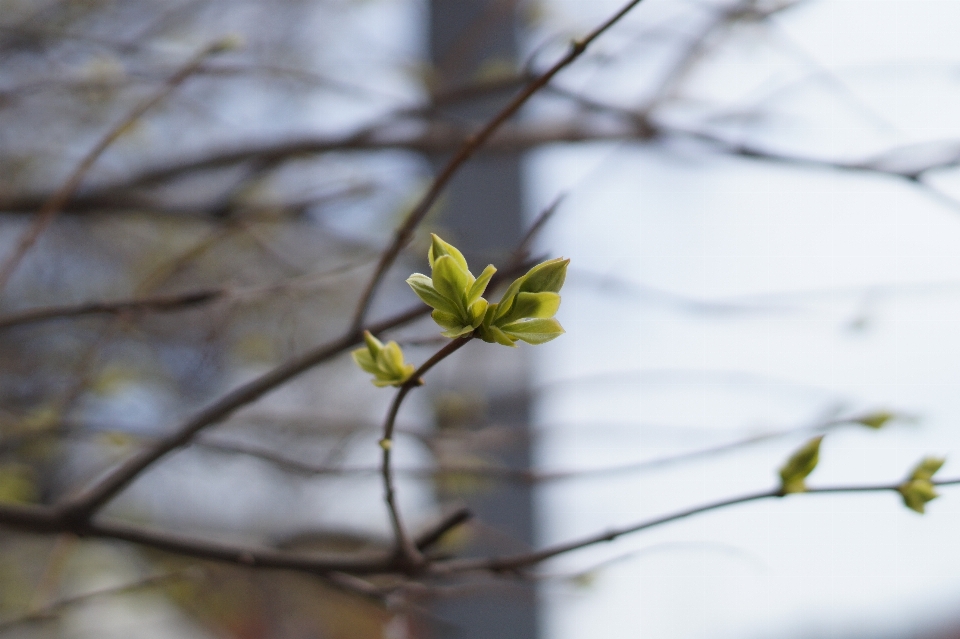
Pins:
x: 512, y: 563
x: 158, y: 303
x: 432, y: 535
x: 85, y: 503
x: 405, y: 546
x: 404, y: 233
x: 53, y: 520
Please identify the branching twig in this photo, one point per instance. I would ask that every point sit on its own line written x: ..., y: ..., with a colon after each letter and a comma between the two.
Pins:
x: 404, y: 232
x: 157, y: 303
x: 512, y: 563
x: 50, y: 520
x: 84, y: 504
x: 406, y: 548
x: 169, y: 302
x: 432, y: 535
x: 61, y: 196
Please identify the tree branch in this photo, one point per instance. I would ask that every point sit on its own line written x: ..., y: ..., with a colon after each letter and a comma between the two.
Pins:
x: 404, y: 232
x: 158, y: 303
x: 86, y: 502
x: 513, y: 563
x: 406, y: 548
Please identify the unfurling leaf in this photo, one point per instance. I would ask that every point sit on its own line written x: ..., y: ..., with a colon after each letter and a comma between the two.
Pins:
x: 875, y: 420
x: 799, y: 466
x: 526, y: 310
x: 927, y: 468
x: 383, y: 361
x: 453, y: 292
x: 524, y: 313
x: 919, y: 488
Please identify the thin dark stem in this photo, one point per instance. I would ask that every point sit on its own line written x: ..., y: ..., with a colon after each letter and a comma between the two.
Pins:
x: 518, y: 562
x: 161, y: 303
x: 510, y: 139
x: 88, y: 501
x: 406, y: 548
x: 53, y: 520
x: 435, y: 533
x: 404, y: 232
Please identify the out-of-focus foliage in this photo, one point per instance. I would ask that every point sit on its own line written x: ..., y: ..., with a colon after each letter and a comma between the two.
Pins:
x: 794, y: 472
x: 283, y: 243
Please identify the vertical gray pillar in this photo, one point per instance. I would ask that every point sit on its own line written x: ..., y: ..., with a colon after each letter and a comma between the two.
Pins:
x: 482, y: 214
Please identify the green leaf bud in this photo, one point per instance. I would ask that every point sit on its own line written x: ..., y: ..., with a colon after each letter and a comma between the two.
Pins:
x: 546, y: 277
x: 439, y: 248
x: 423, y: 287
x: 534, y: 331
x: 916, y: 493
x: 799, y: 466
x: 480, y: 284
x: 383, y: 361
x: 927, y: 468
x: 875, y: 420
x: 918, y: 489
x: 494, y: 335
x: 526, y: 310
x: 453, y: 292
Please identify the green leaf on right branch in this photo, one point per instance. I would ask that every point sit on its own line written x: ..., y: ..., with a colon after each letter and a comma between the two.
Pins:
x: 526, y: 310
x: 919, y: 488
x: 794, y: 473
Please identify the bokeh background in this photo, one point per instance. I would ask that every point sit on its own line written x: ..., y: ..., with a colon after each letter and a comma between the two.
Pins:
x: 759, y: 200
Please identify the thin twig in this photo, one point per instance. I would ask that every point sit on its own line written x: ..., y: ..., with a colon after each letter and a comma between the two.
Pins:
x: 406, y: 548
x: 512, y: 563
x: 157, y: 303
x: 84, y: 504
x: 54, y: 520
x: 404, y: 232
x: 50, y: 520
x: 435, y: 533
x: 170, y: 303
x: 88, y: 500
x: 511, y: 474
x: 510, y: 139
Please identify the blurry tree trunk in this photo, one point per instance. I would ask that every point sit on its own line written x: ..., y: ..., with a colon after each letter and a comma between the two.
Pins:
x: 471, y: 40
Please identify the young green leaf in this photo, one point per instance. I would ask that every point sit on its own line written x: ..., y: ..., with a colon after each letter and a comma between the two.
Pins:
x: 526, y: 310
x: 919, y: 488
x: 799, y: 466
x: 875, y: 420
x: 439, y: 248
x: 534, y: 331
x: 383, y: 361
x: 423, y: 287
x: 927, y: 468
x: 453, y: 292
x: 480, y: 285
